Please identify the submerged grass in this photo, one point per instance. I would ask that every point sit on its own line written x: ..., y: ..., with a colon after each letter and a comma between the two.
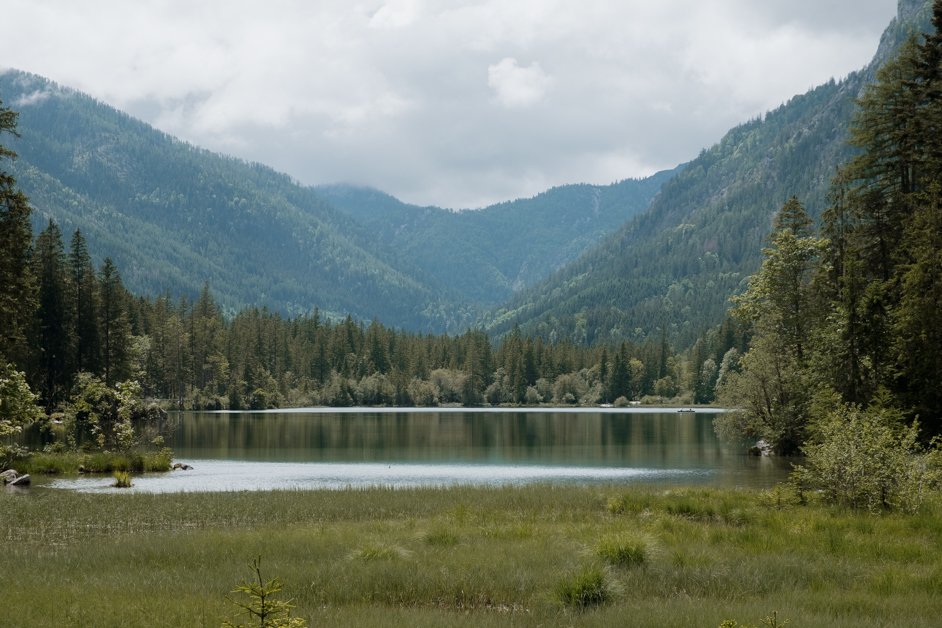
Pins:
x: 539, y: 555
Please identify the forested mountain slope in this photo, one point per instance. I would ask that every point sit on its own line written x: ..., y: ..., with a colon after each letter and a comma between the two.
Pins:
x: 675, y: 266
x: 173, y: 216
x: 489, y: 253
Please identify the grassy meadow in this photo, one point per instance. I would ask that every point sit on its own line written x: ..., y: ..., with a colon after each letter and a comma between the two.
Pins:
x: 537, y: 555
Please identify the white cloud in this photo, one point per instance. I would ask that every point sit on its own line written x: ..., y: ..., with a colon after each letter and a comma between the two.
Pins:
x: 517, y: 86
x: 401, y: 94
x: 395, y: 14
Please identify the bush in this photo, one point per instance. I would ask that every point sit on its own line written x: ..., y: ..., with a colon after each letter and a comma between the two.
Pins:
x: 622, y: 552
x: 867, y: 459
x: 586, y: 589
x: 122, y: 479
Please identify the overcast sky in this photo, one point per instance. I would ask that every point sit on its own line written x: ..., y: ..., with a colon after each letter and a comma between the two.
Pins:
x: 454, y: 103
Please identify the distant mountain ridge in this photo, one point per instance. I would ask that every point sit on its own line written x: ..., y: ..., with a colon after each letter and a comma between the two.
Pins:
x: 174, y: 216
x: 675, y: 266
x: 488, y: 254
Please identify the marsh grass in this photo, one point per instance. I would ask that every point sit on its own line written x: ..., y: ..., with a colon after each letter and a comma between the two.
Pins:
x: 467, y: 557
x: 66, y: 463
x: 622, y: 551
x: 122, y: 479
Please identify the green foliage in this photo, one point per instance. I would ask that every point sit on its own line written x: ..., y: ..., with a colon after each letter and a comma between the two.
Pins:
x: 71, y: 462
x: 880, y: 278
x: 772, y: 384
x: 867, y: 459
x: 584, y: 590
x: 101, y: 417
x: 262, y: 607
x: 17, y: 402
x: 122, y: 479
x: 18, y: 409
x: 17, y: 287
x: 622, y: 551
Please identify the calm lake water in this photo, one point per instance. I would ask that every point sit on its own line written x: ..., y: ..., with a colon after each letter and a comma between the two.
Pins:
x: 312, y: 448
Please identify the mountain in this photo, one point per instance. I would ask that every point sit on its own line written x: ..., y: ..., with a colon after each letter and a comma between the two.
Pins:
x: 674, y: 266
x: 488, y: 254
x: 173, y: 216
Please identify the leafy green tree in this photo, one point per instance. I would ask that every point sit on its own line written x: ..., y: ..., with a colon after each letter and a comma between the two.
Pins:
x: 98, y: 416
x: 774, y: 385
x: 868, y: 459
x: 18, y: 409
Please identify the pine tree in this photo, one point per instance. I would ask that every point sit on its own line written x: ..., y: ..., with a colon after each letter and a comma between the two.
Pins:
x: 114, y: 328
x: 52, y: 337
x: 84, y: 294
x: 17, y: 288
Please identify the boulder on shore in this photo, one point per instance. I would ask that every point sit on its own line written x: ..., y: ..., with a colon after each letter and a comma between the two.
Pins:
x: 9, y: 476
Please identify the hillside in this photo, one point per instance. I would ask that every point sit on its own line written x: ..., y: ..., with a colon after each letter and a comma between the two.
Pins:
x: 489, y: 253
x: 173, y: 216
x: 676, y: 265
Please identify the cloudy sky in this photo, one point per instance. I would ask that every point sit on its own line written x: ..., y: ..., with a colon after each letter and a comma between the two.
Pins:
x: 458, y: 103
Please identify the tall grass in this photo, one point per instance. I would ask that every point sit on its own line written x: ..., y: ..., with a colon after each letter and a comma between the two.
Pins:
x: 467, y: 557
x: 58, y: 463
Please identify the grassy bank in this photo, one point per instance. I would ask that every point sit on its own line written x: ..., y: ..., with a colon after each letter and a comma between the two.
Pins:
x: 467, y: 557
x: 70, y: 462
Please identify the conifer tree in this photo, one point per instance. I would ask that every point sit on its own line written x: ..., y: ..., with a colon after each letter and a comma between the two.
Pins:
x: 84, y: 294
x: 52, y: 340
x: 114, y: 327
x: 17, y: 288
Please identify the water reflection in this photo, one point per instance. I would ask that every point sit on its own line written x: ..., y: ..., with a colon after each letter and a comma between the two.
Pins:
x: 320, y: 448
x: 593, y: 439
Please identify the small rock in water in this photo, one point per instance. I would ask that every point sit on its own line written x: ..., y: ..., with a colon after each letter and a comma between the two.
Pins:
x: 22, y: 480
x: 182, y: 467
x: 761, y: 448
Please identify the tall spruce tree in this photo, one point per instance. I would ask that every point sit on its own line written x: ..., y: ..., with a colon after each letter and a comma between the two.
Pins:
x: 52, y: 339
x: 84, y: 295
x: 17, y: 288
x: 113, y: 325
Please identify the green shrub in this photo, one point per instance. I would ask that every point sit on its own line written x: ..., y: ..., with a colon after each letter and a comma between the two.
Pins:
x: 622, y: 552
x: 586, y: 589
x: 867, y: 459
x: 122, y: 479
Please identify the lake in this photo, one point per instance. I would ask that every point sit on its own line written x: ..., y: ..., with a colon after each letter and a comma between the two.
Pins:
x: 315, y: 448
